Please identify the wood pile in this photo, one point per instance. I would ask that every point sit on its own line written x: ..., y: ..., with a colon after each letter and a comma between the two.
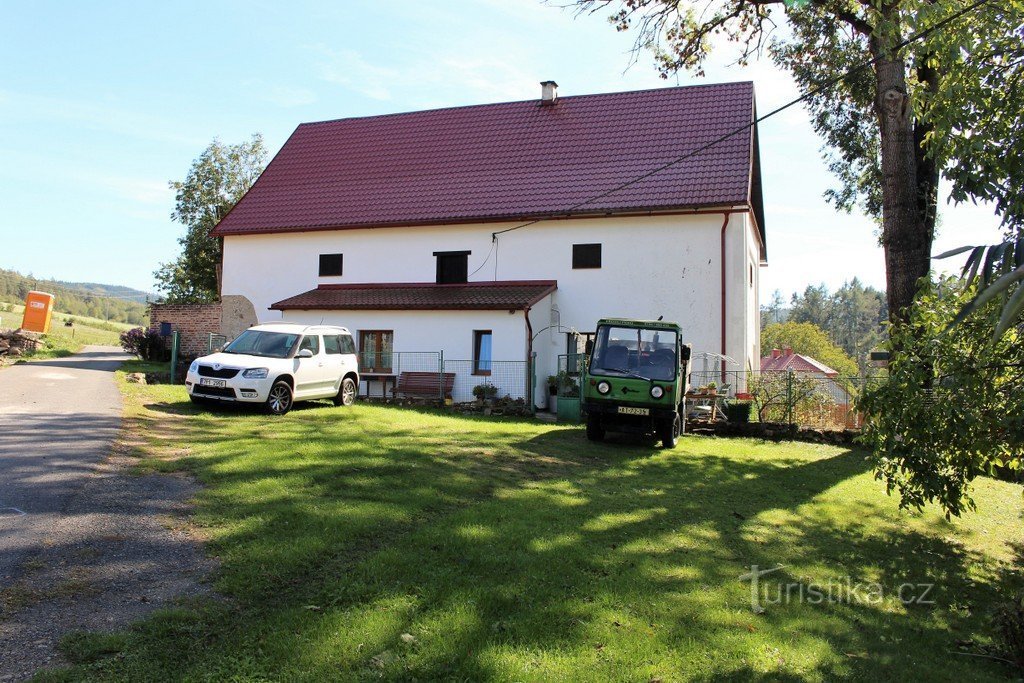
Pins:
x: 14, y: 343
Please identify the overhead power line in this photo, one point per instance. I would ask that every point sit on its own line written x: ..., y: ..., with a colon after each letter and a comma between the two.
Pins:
x: 778, y: 110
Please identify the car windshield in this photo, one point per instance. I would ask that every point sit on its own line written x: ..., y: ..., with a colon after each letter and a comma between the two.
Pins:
x: 265, y: 344
x: 635, y: 352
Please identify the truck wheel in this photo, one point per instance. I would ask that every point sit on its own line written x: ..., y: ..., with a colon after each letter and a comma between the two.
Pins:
x: 669, y: 432
x: 347, y: 393
x: 279, y: 400
x: 595, y: 430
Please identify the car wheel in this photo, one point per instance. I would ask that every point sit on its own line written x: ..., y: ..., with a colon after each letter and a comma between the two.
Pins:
x: 279, y: 400
x: 669, y: 432
x: 595, y: 430
x: 347, y: 393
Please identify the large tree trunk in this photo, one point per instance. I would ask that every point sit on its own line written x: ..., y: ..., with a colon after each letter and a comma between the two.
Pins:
x: 906, y: 229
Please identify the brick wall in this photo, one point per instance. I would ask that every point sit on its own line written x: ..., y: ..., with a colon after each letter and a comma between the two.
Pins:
x: 193, y: 322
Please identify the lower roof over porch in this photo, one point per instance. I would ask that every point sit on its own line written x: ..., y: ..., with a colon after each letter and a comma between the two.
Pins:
x: 510, y: 295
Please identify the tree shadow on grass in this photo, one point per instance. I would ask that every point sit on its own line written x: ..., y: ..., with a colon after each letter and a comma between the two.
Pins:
x: 512, y: 554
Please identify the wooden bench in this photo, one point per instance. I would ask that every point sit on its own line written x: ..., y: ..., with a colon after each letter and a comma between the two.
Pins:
x: 425, y: 384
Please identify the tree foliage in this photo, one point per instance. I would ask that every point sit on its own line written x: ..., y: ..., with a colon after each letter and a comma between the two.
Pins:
x: 74, y: 299
x: 791, y: 398
x: 213, y: 185
x: 951, y: 407
x: 889, y: 128
x: 852, y: 317
x: 999, y: 272
x: 809, y: 340
x: 977, y: 113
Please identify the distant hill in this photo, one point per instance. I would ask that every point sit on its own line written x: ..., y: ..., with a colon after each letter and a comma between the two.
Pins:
x: 106, y: 302
x: 115, y: 291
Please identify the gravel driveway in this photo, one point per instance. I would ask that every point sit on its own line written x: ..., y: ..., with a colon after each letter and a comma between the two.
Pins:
x: 84, y: 544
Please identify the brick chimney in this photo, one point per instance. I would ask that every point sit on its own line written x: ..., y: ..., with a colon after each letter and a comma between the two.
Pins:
x: 548, y: 92
x: 776, y: 353
x: 788, y: 351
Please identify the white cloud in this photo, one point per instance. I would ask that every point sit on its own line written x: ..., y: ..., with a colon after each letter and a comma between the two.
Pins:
x: 281, y: 95
x: 348, y: 68
x: 429, y: 80
x: 138, y: 190
x: 91, y: 115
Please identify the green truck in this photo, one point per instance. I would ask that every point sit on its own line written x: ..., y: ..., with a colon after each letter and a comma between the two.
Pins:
x: 636, y: 379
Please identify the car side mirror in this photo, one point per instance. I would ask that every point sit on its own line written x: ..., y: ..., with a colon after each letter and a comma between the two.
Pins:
x: 304, y: 353
x: 684, y: 353
x: 588, y: 348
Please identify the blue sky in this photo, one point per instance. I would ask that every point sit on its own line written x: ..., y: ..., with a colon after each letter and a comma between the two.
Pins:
x: 101, y: 104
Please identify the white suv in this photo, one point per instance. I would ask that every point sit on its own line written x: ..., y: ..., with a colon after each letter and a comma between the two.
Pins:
x: 277, y: 364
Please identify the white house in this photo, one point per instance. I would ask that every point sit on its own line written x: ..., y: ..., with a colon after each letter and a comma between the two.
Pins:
x: 489, y: 233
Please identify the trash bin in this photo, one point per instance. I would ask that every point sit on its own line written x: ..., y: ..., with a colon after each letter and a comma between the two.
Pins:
x: 38, y: 310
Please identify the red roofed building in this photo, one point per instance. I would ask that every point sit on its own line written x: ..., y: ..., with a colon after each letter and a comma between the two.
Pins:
x: 784, y: 360
x: 509, y: 229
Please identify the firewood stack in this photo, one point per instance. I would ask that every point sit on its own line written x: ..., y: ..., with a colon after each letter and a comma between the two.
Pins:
x: 14, y: 343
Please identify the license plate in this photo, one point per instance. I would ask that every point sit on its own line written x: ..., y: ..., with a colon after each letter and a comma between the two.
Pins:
x: 207, y: 382
x: 627, y: 410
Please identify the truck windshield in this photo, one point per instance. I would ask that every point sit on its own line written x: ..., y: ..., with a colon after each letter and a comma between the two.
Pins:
x: 265, y: 344
x: 631, y: 351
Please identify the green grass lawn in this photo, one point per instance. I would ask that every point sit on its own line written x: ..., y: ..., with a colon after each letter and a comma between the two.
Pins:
x: 385, y: 543
x: 63, y: 341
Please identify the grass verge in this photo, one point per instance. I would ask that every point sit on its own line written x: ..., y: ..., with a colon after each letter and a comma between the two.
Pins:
x: 386, y: 543
x: 63, y: 341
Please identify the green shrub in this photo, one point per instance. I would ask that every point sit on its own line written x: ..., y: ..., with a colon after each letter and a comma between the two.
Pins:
x: 738, y: 411
x: 1008, y: 621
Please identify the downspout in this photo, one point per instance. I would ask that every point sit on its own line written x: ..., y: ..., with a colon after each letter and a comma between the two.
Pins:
x: 725, y: 224
x: 529, y: 362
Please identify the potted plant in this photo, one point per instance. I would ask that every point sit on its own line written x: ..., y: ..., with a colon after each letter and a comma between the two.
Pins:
x: 485, y: 392
x: 552, y: 391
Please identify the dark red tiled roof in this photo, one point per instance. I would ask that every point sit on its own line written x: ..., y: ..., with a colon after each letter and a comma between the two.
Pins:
x: 508, y: 161
x: 509, y: 295
x: 796, y: 363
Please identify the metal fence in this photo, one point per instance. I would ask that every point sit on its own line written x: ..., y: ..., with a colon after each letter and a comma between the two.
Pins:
x: 508, y: 377
x: 215, y: 342
x: 382, y: 372
x: 801, y: 399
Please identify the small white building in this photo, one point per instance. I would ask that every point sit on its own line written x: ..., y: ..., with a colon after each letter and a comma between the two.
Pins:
x: 493, y: 232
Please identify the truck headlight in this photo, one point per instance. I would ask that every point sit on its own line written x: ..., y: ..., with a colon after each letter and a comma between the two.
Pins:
x: 657, y: 392
x: 603, y: 387
x: 256, y: 373
x: 194, y: 368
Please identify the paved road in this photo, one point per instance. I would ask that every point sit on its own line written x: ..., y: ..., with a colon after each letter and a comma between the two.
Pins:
x: 97, y: 547
x: 58, y: 419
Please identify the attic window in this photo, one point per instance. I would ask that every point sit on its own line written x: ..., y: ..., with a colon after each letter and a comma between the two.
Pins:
x: 452, y: 267
x: 586, y: 256
x: 331, y: 264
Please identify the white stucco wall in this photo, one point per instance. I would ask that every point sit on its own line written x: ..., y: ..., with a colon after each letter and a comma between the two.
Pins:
x: 419, y: 335
x: 651, y: 266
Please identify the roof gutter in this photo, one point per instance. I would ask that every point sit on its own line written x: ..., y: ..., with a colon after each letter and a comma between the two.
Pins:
x: 529, y: 362
x: 725, y: 224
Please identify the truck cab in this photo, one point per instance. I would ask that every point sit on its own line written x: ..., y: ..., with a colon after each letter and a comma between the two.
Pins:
x: 636, y: 379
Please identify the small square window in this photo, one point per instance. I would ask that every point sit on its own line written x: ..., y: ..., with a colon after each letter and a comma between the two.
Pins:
x: 452, y: 267
x: 331, y: 264
x: 586, y: 256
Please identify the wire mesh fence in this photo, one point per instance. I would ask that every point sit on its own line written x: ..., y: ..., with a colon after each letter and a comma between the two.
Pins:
x: 215, y: 342
x: 508, y: 377
x: 793, y: 398
x: 431, y: 376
